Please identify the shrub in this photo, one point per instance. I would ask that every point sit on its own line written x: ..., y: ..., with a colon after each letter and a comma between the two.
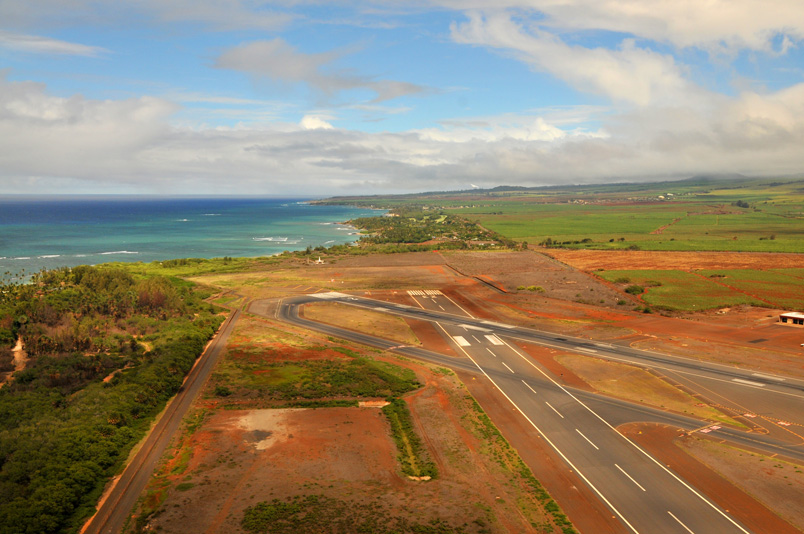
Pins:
x: 634, y: 290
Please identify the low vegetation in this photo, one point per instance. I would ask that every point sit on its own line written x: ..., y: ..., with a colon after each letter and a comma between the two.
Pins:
x: 680, y: 290
x: 439, y: 229
x: 328, y: 515
x: 412, y: 456
x: 288, y: 381
x: 105, y: 351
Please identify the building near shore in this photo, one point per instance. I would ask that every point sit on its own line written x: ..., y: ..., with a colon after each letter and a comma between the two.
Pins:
x: 794, y: 318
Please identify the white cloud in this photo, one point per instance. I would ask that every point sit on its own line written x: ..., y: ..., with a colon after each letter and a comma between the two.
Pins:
x: 45, y: 45
x: 716, y: 25
x: 61, y: 145
x: 313, y: 122
x: 628, y: 74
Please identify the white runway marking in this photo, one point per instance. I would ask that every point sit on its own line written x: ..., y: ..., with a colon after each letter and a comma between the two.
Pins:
x: 530, y: 388
x: 629, y: 477
x: 587, y: 439
x: 680, y: 523
x: 506, y: 366
x: 461, y: 341
x: 490, y: 352
x: 747, y: 382
x: 494, y: 340
x: 551, y: 407
x: 769, y: 377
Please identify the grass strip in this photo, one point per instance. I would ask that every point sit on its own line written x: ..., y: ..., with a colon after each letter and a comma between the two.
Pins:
x: 412, y: 455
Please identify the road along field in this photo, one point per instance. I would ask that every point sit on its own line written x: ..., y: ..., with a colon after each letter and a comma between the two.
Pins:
x: 267, y: 358
x: 248, y: 443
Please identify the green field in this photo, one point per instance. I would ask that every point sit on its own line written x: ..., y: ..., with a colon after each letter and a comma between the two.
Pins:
x: 757, y: 215
x: 680, y: 290
x: 781, y: 287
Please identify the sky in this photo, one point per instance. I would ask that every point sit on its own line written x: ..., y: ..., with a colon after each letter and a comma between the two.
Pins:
x: 319, y: 98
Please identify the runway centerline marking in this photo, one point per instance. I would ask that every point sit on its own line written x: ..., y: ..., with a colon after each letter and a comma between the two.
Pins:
x: 551, y: 407
x: 587, y: 439
x: 548, y: 440
x: 629, y: 477
x: 491, y: 352
x: 680, y: 523
x: 506, y: 366
x: 623, y: 436
x: 530, y: 388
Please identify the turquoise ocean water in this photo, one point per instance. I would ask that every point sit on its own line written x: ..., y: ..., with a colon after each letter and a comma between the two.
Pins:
x: 38, y: 233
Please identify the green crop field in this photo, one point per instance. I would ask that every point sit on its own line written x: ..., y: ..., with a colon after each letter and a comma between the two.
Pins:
x: 783, y: 288
x: 680, y: 290
x: 756, y: 215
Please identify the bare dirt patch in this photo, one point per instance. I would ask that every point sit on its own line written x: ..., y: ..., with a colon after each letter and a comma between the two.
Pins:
x: 777, y: 484
x: 613, y: 260
x: 638, y: 385
x: 756, y: 516
x: 513, y: 270
x: 19, y: 361
x: 238, y: 458
x: 378, y: 324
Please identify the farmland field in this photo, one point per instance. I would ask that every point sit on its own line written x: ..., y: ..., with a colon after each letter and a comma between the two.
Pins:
x: 680, y: 290
x: 759, y: 215
x: 782, y: 287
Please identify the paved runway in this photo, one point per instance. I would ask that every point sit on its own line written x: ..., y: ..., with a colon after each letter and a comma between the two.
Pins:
x: 644, y: 494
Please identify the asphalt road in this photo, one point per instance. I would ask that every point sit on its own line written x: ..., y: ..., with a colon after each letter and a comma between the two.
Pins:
x: 114, y: 511
x: 643, y: 493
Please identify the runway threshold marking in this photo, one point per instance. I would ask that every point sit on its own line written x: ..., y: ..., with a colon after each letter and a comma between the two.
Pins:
x: 748, y: 382
x: 494, y: 340
x: 549, y: 441
x: 551, y: 407
x: 680, y: 523
x: 506, y: 366
x: 530, y: 388
x: 587, y: 439
x: 461, y: 341
x: 629, y: 477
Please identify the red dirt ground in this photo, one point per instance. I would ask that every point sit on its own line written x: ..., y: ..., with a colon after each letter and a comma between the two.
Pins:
x: 658, y: 441
x: 611, y: 260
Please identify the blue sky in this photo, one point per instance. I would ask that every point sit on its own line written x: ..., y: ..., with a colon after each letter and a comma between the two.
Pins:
x: 322, y: 98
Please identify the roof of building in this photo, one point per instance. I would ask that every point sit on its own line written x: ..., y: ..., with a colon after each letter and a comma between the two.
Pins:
x: 797, y: 315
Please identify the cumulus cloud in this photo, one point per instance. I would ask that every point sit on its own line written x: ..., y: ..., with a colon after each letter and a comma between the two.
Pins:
x: 64, y: 144
x: 629, y: 73
x: 314, y: 122
x: 279, y: 61
x: 716, y: 25
x: 45, y: 45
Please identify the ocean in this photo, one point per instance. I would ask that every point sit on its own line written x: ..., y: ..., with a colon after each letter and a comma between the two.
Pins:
x: 53, y: 232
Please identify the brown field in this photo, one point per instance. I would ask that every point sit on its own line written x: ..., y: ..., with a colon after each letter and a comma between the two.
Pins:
x: 378, y: 324
x: 761, y: 492
x: 237, y: 458
x: 473, y: 486
x: 637, y: 385
x: 614, y: 260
